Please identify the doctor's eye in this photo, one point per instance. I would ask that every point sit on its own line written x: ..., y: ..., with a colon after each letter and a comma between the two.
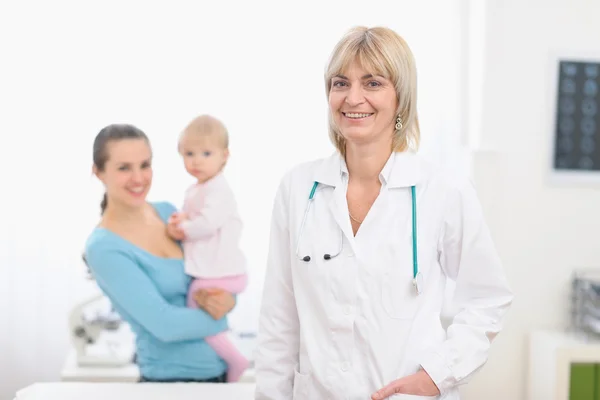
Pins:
x: 338, y: 84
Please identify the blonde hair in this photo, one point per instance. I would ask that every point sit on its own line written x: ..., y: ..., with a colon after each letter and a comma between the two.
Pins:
x: 205, y: 126
x: 380, y: 51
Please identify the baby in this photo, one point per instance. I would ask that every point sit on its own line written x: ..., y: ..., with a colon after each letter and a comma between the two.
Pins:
x: 210, y: 227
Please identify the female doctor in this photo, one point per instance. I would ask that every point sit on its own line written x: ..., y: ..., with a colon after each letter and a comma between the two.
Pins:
x: 362, y: 244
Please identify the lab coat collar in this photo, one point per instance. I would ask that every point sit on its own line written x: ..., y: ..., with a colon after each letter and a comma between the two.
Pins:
x: 407, y: 170
x: 403, y: 169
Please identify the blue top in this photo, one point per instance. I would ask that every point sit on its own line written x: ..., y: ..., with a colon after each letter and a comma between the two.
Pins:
x: 149, y: 293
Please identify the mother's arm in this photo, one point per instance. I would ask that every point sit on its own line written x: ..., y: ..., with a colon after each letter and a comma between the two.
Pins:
x: 134, y: 294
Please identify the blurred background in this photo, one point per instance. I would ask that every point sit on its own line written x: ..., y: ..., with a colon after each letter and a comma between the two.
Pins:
x: 508, y: 93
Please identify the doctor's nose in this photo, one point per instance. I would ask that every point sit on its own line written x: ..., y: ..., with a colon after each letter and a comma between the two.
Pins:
x: 355, y: 96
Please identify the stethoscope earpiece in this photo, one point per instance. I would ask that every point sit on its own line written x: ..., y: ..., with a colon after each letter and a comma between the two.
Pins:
x: 325, y: 257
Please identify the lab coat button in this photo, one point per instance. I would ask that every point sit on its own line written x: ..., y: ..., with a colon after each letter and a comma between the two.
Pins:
x: 345, y: 367
x: 347, y: 310
x: 351, y: 254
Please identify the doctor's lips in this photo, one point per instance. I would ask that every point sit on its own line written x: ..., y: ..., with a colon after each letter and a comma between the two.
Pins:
x: 355, y: 115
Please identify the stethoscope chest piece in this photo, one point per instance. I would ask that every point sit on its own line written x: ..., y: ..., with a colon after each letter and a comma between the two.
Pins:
x: 418, y: 283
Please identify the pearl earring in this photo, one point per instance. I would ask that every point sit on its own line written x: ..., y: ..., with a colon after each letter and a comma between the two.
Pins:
x: 398, y: 123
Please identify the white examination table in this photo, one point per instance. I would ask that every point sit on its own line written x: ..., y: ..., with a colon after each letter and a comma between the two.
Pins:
x: 136, y: 391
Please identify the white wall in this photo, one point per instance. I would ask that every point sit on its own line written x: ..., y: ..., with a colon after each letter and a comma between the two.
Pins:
x: 542, y: 231
x: 69, y: 68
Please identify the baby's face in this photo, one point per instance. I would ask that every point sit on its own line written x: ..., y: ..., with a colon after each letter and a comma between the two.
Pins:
x: 203, y: 157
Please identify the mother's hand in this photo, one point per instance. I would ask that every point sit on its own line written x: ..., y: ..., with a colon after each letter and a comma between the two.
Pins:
x: 216, y: 302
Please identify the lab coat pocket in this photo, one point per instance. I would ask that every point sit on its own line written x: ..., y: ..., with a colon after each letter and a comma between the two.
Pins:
x: 301, y: 386
x: 413, y: 397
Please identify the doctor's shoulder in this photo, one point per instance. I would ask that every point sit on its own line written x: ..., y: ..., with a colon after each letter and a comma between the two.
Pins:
x: 448, y: 184
x: 301, y: 176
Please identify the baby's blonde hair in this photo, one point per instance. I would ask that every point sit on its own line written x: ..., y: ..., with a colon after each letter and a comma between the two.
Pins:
x: 381, y: 51
x: 205, y: 126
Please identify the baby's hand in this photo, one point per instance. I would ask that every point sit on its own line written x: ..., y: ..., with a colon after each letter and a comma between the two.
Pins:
x: 175, y: 232
x: 182, y: 216
x: 173, y: 229
x: 177, y: 217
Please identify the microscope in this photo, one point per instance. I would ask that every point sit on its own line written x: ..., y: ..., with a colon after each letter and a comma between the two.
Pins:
x: 87, y: 329
x: 93, y: 325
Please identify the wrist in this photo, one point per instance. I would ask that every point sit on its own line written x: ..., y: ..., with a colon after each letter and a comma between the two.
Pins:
x: 425, y: 381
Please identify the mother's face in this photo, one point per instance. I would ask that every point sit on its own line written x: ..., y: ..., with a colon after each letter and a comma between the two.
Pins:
x: 127, y: 173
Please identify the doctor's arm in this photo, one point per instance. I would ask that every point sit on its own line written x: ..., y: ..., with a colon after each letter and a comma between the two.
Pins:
x: 276, y: 356
x: 135, y: 295
x: 482, y: 294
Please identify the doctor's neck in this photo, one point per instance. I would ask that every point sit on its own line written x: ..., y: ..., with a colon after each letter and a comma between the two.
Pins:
x: 366, y: 161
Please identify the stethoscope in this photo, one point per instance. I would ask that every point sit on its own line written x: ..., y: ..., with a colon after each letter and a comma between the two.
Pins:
x: 417, y: 277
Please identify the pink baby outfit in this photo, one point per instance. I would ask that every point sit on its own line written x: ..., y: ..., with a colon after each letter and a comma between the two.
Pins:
x: 213, y: 256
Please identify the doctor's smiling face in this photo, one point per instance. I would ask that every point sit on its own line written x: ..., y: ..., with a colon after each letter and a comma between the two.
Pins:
x: 363, y: 105
x: 371, y: 81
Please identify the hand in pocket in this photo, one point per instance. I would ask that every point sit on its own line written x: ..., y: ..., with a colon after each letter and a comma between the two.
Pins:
x: 419, y: 384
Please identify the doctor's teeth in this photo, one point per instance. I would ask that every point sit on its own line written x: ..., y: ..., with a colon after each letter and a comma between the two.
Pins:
x: 357, y: 115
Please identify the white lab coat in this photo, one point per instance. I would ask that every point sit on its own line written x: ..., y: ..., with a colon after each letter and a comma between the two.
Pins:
x: 344, y: 328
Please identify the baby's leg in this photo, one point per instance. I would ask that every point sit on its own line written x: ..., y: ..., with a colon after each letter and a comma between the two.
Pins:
x: 233, y: 284
x: 196, y: 285
x: 235, y: 360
